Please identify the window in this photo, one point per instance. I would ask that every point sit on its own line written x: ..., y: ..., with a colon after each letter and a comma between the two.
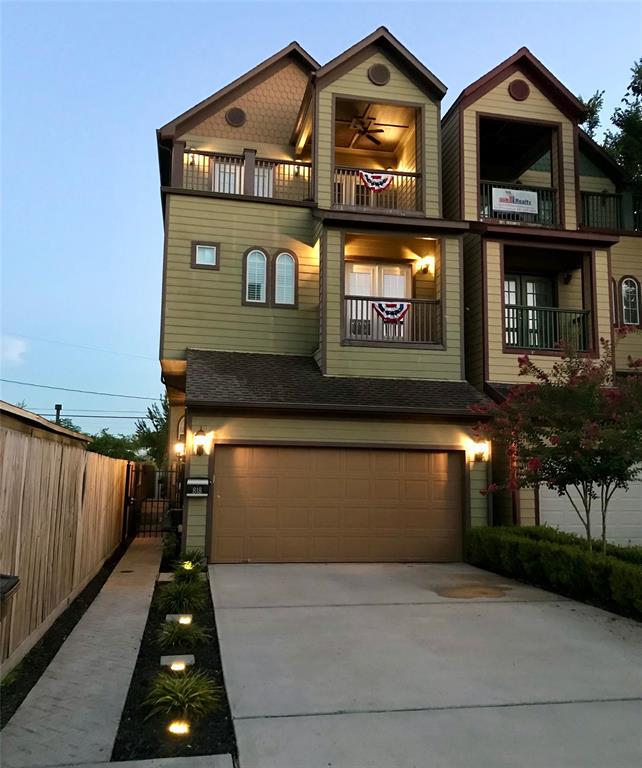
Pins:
x: 285, y: 274
x: 630, y: 301
x: 255, y: 277
x: 205, y: 255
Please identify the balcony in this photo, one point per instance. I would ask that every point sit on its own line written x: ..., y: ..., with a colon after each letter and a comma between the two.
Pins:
x: 518, y: 204
x: 381, y: 320
x: 611, y: 211
x: 357, y: 188
x: 247, y: 175
x: 546, y: 328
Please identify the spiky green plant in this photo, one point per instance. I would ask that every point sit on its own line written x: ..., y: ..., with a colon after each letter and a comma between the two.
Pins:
x: 191, y: 694
x: 183, y: 636
x: 183, y: 596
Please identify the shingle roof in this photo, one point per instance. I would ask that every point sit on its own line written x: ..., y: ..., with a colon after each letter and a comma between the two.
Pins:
x: 241, y: 379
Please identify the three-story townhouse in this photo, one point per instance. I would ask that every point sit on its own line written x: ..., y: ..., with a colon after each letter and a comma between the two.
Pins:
x: 553, y: 255
x: 312, y: 315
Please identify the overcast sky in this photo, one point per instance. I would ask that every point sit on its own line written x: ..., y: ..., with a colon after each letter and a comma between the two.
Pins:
x: 85, y: 85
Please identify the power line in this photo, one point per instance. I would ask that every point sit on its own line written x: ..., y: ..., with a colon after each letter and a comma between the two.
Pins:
x: 82, y: 346
x: 84, y: 416
x: 83, y: 410
x: 83, y: 391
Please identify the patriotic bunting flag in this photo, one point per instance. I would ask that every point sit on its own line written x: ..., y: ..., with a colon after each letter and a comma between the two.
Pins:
x: 391, y: 312
x: 376, y: 182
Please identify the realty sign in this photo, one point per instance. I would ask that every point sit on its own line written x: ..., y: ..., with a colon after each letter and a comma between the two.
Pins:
x: 514, y: 200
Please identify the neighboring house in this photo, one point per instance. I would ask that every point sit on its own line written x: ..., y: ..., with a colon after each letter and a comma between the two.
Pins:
x: 312, y: 338
x: 312, y: 314
x: 554, y: 251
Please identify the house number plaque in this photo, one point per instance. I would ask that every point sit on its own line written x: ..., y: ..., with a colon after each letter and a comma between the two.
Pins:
x: 198, y: 486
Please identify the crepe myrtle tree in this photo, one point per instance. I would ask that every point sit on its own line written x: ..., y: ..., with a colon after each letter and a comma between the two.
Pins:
x: 573, y: 429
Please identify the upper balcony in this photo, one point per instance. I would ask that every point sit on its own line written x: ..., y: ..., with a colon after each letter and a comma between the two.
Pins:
x: 611, y: 211
x: 376, y: 157
x: 519, y: 173
x: 248, y: 175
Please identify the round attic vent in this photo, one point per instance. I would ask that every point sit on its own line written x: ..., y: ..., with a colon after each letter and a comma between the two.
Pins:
x: 235, y: 117
x: 519, y: 90
x: 379, y: 74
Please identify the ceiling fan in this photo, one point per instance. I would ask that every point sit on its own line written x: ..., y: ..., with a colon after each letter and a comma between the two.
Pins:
x: 364, y: 125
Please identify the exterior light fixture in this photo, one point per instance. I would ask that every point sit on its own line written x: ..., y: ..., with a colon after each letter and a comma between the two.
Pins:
x: 426, y: 265
x: 177, y: 663
x: 178, y: 727
x: 178, y: 666
x: 478, y: 451
x: 185, y: 618
x: 200, y: 440
x: 179, y: 449
x: 187, y: 565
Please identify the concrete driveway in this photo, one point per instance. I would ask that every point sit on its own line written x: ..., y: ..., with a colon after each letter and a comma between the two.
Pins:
x: 406, y: 666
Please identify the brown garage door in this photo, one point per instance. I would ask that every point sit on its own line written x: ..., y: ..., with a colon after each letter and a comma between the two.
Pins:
x: 274, y: 504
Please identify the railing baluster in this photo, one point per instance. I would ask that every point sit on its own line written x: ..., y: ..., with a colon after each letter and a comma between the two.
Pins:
x: 527, y: 327
x: 421, y: 325
x: 349, y: 190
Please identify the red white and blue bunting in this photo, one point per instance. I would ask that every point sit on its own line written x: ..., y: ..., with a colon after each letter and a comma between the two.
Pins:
x: 376, y: 182
x: 391, y: 312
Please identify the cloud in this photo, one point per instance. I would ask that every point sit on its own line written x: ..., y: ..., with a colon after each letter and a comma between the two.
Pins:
x: 12, y: 350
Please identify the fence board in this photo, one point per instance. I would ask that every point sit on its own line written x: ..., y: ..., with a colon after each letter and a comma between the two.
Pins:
x: 61, y: 515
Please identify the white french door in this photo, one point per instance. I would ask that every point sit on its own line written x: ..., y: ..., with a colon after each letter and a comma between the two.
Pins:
x: 383, y: 281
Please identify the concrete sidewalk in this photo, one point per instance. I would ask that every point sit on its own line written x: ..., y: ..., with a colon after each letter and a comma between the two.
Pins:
x: 447, y: 666
x: 71, y: 715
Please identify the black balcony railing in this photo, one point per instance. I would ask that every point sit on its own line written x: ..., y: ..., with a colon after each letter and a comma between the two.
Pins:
x: 393, y: 321
x: 511, y: 207
x: 602, y: 210
x: 546, y: 328
x: 352, y: 191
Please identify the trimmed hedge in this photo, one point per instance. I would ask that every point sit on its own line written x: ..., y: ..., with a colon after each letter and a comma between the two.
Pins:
x: 547, y: 533
x: 566, y: 568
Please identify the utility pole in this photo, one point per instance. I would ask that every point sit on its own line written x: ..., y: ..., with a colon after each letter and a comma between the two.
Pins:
x: 58, y: 407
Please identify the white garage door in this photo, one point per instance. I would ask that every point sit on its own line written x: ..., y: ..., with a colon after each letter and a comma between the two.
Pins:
x: 624, y: 517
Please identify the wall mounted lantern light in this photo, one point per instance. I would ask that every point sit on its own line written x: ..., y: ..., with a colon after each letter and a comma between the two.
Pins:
x: 200, y: 441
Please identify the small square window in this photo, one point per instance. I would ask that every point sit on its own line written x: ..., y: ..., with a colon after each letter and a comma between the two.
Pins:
x: 205, y: 255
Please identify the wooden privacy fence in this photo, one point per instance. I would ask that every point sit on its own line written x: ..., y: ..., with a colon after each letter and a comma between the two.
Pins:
x: 61, y: 516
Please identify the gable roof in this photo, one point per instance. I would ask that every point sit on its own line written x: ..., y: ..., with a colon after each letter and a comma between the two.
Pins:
x: 32, y: 419
x: 382, y: 38
x: 523, y: 60
x: 195, y: 114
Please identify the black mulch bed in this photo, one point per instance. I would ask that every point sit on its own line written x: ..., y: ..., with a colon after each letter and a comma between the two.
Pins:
x: 22, y: 679
x: 140, y: 739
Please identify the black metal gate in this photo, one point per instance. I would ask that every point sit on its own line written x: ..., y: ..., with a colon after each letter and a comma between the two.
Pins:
x: 155, y: 500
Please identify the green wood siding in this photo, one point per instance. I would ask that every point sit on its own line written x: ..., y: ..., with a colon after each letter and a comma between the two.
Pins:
x: 203, y: 308
x: 451, y: 159
x: 474, y: 317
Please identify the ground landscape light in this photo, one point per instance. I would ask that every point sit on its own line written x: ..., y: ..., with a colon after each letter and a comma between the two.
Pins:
x: 178, y: 727
x: 187, y: 565
x: 185, y: 619
x: 178, y: 666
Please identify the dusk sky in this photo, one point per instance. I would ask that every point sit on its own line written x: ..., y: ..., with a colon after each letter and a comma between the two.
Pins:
x: 85, y: 85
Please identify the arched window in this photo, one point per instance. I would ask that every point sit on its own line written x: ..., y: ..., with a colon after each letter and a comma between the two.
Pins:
x: 285, y: 279
x: 255, y: 270
x: 630, y: 292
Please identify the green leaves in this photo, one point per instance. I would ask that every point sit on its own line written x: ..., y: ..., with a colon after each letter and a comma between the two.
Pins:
x: 189, y: 694
x: 181, y: 636
x: 183, y: 596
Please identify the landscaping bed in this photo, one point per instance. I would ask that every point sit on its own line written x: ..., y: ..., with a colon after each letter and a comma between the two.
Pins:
x: 17, y: 683
x: 143, y: 734
x: 562, y: 563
